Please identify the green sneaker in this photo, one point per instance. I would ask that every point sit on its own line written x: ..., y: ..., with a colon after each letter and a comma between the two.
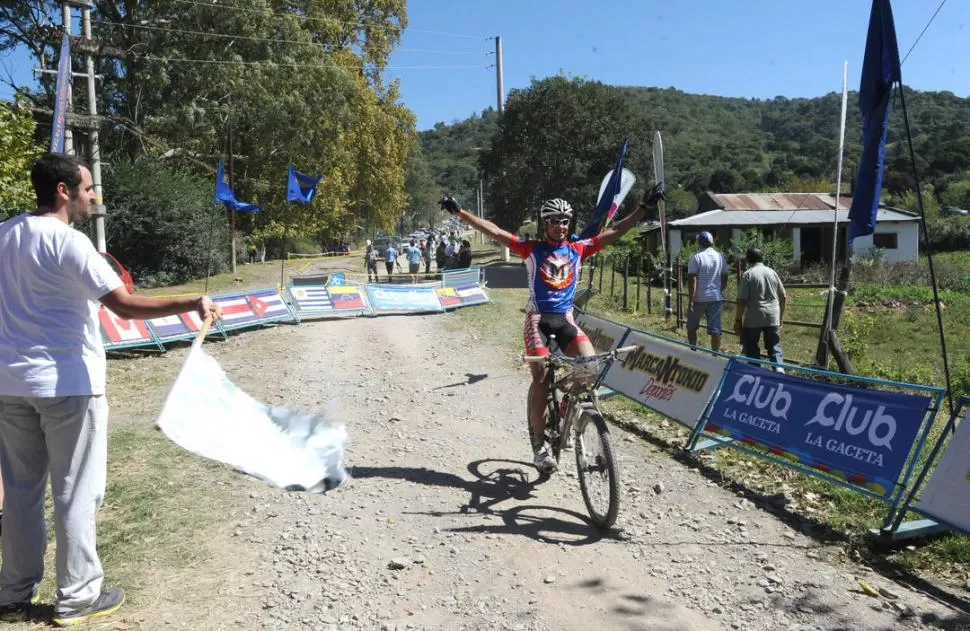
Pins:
x: 106, y: 604
x: 18, y: 612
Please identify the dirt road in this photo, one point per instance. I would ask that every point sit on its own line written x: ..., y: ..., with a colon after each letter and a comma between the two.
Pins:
x: 445, y: 526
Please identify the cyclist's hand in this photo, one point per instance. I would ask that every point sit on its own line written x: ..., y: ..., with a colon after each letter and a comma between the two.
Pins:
x: 449, y: 203
x: 653, y: 197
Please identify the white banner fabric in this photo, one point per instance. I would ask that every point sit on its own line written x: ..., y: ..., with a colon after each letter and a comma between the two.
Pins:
x: 668, y: 378
x: 945, y: 495
x: 604, y: 335
x: 208, y: 415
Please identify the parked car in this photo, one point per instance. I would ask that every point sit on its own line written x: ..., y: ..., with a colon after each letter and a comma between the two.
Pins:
x: 953, y: 211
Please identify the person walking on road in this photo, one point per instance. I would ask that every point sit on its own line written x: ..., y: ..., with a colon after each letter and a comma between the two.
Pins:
x: 370, y: 259
x: 413, y: 253
x: 390, y: 258
x: 53, y: 409
x: 707, y: 276
x: 761, y: 309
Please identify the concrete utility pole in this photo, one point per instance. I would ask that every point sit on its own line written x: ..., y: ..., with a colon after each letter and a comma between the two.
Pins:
x: 100, y: 210
x: 500, y: 89
x: 68, y: 135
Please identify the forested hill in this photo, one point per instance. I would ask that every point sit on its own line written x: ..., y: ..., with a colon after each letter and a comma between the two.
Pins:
x: 710, y: 143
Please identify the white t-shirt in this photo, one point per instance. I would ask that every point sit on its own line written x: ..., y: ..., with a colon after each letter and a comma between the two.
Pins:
x: 709, y: 265
x: 51, y: 278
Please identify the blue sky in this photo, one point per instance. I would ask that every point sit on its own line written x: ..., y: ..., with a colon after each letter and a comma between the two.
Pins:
x: 745, y: 48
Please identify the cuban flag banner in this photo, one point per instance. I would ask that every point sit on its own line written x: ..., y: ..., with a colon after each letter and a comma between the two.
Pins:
x: 301, y: 188
x: 268, y: 305
x: 236, y: 312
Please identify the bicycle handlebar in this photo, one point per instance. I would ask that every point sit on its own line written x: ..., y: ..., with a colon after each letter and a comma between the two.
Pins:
x: 542, y: 359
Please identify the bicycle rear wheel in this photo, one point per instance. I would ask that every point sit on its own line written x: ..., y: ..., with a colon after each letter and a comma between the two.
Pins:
x: 596, y: 467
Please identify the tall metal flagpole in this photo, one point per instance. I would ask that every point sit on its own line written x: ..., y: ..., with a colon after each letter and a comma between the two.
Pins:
x: 658, y: 177
x: 838, y: 194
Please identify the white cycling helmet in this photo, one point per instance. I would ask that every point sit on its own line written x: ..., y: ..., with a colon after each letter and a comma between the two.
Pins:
x: 555, y: 208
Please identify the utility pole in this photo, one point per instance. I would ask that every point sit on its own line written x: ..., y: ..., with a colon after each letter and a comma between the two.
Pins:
x: 500, y: 89
x: 232, y: 213
x: 68, y: 135
x: 100, y: 211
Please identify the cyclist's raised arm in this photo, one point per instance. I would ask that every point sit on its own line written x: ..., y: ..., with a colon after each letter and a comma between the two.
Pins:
x: 650, y: 200
x: 484, y: 226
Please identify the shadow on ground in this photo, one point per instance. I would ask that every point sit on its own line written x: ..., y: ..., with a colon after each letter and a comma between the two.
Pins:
x: 495, y: 482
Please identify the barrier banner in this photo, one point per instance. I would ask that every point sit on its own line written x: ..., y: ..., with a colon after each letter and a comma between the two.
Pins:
x: 268, y: 306
x: 310, y: 298
x: 604, y: 335
x: 118, y: 332
x: 236, y: 311
x: 178, y: 327
x: 944, y: 496
x: 668, y: 378
x: 452, y: 297
x: 346, y: 297
x: 403, y: 299
x: 337, y: 279
x: 461, y: 277
x: 864, y: 436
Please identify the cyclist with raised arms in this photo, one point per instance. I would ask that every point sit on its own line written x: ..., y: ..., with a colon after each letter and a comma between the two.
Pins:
x: 553, y: 269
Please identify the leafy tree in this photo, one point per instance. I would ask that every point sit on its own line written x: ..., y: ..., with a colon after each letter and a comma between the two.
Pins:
x: 163, y: 223
x: 18, y: 151
x: 423, y: 193
x: 557, y: 138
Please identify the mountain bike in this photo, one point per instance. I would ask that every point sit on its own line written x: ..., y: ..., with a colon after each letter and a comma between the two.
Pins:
x: 573, y: 419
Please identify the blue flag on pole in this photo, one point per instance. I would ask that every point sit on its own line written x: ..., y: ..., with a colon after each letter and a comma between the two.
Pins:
x: 608, y: 202
x: 301, y: 188
x: 880, y: 70
x: 227, y: 198
x: 62, y: 97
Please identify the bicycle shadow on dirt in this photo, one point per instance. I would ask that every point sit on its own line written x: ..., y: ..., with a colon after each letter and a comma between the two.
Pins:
x: 492, y: 485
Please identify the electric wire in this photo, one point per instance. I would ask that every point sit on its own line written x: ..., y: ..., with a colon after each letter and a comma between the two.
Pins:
x: 269, y: 62
x: 935, y: 13
x: 275, y: 40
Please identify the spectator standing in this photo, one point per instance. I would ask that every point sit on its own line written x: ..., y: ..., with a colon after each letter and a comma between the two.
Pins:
x: 761, y: 309
x: 428, y: 254
x: 451, y: 253
x: 440, y: 253
x: 390, y: 258
x: 370, y: 260
x: 465, y: 254
x: 53, y: 409
x: 413, y: 252
x: 707, y: 276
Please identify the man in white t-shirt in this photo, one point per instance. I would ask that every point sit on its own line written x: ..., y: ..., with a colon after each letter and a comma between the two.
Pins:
x: 707, y: 276
x: 53, y: 412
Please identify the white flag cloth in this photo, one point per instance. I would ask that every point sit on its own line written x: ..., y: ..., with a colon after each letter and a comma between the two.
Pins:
x: 208, y: 415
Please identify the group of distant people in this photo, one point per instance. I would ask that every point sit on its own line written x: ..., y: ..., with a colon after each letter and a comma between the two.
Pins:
x: 446, y: 252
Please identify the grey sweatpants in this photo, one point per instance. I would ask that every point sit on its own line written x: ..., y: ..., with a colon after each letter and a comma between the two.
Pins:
x: 66, y: 436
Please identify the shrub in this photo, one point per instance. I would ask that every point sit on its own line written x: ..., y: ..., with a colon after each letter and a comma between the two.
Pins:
x: 779, y: 253
x: 163, y: 224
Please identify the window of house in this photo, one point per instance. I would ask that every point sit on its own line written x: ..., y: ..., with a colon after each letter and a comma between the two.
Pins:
x: 885, y: 240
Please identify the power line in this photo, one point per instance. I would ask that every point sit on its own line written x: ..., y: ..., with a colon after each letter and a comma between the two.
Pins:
x: 935, y: 13
x: 229, y: 62
x: 328, y: 20
x: 277, y: 41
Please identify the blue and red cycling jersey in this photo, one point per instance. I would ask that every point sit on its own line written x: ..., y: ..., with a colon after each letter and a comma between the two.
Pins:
x: 553, y: 270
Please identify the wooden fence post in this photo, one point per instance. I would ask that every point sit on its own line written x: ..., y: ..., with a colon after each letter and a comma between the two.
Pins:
x: 649, y: 299
x: 680, y: 291
x: 626, y: 283
x: 612, y: 277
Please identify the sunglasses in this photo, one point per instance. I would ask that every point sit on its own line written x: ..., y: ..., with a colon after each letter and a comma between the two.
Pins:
x: 558, y: 222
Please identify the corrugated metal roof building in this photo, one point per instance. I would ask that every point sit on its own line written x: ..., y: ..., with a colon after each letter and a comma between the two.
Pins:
x: 805, y: 218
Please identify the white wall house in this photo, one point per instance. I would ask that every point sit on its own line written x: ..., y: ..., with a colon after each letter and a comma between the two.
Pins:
x: 805, y: 218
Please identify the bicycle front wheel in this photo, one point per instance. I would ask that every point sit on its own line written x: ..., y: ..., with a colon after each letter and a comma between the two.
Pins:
x: 596, y: 467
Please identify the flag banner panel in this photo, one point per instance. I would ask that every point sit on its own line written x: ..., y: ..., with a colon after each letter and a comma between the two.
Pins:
x: 237, y: 313
x: 118, y: 332
x: 666, y: 377
x: 310, y: 298
x: 604, y: 334
x: 944, y: 497
x: 347, y: 298
x: 178, y: 327
x: 862, y: 435
x: 269, y: 306
x: 461, y: 278
x: 403, y: 299
x: 208, y: 415
x: 452, y: 297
